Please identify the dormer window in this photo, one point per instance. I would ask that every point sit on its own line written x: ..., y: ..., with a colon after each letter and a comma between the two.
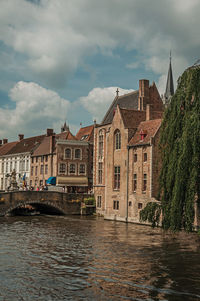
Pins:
x: 142, y: 135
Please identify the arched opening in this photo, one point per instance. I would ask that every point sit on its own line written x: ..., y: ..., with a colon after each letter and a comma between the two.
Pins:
x: 35, y: 208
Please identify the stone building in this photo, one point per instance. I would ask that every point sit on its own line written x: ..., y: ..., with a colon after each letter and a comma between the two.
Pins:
x: 116, y: 145
x: 74, y: 161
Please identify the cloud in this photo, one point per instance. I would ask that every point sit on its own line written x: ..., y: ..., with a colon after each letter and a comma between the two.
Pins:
x: 98, y: 101
x: 36, y: 109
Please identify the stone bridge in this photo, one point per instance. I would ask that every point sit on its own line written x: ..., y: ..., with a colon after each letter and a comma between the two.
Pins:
x: 50, y: 202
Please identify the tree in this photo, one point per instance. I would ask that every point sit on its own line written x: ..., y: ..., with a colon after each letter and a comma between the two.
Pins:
x: 180, y: 153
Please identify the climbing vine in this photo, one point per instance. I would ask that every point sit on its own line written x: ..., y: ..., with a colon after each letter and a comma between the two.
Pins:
x: 180, y: 153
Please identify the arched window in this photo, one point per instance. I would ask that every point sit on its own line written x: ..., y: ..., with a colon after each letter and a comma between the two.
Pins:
x: 82, y: 169
x: 77, y: 153
x: 62, y: 168
x: 117, y: 139
x: 72, y: 168
x: 100, y: 144
x: 68, y: 153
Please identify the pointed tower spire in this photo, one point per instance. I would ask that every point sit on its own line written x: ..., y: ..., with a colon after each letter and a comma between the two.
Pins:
x: 169, y: 92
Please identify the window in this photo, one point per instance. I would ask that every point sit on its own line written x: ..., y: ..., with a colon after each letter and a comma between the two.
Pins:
x: 139, y: 205
x: 77, y: 153
x: 82, y: 169
x: 68, y: 153
x: 117, y: 177
x: 72, y: 168
x: 15, y: 165
x: 41, y: 169
x: 32, y: 170
x: 36, y: 170
x: 46, y: 158
x: 116, y: 205
x: 100, y: 144
x: 99, y: 201
x: 36, y: 159
x: 2, y: 167
x: 62, y: 168
x: 117, y: 139
x: 134, y: 182
x: 145, y: 157
x: 100, y: 172
x: 135, y: 158
x: 6, y: 166
x: 42, y: 159
x: 10, y: 166
x: 32, y: 160
x: 46, y: 169
x: 144, y: 182
x: 2, y: 183
x: 23, y: 164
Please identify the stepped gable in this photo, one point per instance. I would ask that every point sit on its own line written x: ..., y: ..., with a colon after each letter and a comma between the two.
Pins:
x: 26, y: 145
x: 5, y: 148
x: 132, y: 118
x: 86, y: 133
x: 127, y: 101
x: 149, y: 129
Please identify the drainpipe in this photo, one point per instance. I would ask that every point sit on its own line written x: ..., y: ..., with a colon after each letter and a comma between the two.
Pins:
x: 127, y: 183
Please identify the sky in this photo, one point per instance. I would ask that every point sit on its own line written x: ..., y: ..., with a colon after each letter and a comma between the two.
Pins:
x: 62, y: 60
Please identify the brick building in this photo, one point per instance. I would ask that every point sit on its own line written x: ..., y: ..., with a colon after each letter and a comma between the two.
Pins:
x: 74, y: 161
x: 129, y: 129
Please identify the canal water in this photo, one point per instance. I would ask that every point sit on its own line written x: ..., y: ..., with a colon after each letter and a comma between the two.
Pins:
x: 85, y: 258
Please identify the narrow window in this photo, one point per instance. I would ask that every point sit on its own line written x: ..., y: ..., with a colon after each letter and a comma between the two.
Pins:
x: 116, y: 205
x: 82, y: 169
x: 117, y: 177
x: 135, y: 158
x: 41, y: 169
x: 46, y: 158
x: 117, y: 140
x: 46, y: 169
x: 32, y: 169
x: 32, y: 160
x: 139, y: 205
x: 62, y: 168
x: 100, y: 144
x: 42, y: 159
x: 36, y: 159
x: 134, y: 182
x: 72, y: 168
x: 145, y: 157
x: 100, y: 173
x: 36, y: 170
x: 68, y: 153
x: 99, y: 201
x: 77, y: 153
x: 145, y: 182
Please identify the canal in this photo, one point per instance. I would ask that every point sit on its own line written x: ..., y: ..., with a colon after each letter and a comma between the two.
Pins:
x: 86, y: 258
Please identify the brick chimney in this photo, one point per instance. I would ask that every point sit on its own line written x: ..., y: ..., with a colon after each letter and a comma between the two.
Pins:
x: 49, y: 132
x: 21, y: 136
x: 0, y: 142
x: 5, y: 141
x: 148, y: 112
x: 143, y: 98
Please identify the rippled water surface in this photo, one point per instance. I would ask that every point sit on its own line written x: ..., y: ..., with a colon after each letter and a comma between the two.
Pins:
x: 74, y: 258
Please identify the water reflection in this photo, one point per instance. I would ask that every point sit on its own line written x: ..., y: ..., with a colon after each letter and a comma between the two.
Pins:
x: 73, y: 258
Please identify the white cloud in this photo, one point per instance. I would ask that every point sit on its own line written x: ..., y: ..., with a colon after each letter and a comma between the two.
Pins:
x: 36, y: 109
x: 98, y: 101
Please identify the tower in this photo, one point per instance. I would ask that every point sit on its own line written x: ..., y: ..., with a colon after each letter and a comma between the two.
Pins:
x: 169, y: 91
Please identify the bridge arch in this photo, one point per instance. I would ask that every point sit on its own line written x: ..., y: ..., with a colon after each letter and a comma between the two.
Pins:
x: 40, y: 207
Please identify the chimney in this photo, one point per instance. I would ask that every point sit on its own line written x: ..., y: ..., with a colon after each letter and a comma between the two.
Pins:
x: 49, y: 132
x: 148, y: 112
x: 143, y: 98
x: 21, y: 136
x: 0, y: 142
x: 52, y: 143
x: 5, y: 141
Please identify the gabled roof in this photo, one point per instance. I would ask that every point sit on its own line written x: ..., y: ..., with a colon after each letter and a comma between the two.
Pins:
x: 67, y: 135
x: 131, y: 118
x: 26, y: 145
x: 149, y: 128
x: 85, y: 133
x: 127, y: 101
x: 5, y: 148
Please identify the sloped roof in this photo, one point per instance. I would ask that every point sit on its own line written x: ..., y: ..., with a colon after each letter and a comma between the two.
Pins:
x: 85, y: 133
x: 131, y: 118
x: 5, y: 148
x: 127, y: 101
x: 26, y: 145
x: 67, y: 135
x: 149, y: 127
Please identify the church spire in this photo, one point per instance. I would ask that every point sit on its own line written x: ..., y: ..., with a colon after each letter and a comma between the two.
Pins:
x: 169, y: 92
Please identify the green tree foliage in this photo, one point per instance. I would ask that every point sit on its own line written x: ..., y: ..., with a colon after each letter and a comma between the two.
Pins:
x: 180, y: 153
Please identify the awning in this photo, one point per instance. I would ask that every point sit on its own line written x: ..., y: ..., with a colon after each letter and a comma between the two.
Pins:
x: 51, y: 181
x: 72, y: 181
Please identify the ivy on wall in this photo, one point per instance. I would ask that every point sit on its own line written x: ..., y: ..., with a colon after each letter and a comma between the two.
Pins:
x: 180, y: 152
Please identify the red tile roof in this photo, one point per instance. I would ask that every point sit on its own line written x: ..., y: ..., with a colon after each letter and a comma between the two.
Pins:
x: 148, y: 128
x: 131, y: 118
x: 67, y: 135
x: 5, y: 148
x: 85, y: 133
x: 26, y: 145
